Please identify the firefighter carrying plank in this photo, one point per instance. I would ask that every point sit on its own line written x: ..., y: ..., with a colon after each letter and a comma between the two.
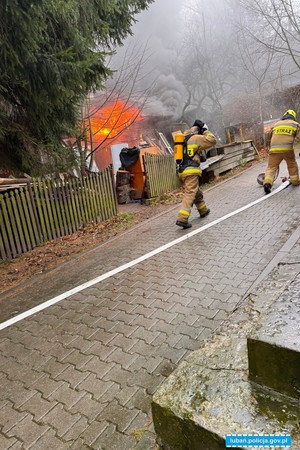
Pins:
x: 195, y: 142
x: 281, y: 138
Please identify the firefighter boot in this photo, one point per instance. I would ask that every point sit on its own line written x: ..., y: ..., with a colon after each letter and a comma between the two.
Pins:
x: 183, y: 224
x: 205, y: 213
x: 267, y: 188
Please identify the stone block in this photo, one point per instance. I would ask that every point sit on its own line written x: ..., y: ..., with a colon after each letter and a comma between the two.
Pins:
x: 274, y: 346
x: 209, y: 396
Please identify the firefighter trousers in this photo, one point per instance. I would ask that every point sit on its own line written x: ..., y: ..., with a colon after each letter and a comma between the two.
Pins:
x: 274, y: 161
x: 192, y: 195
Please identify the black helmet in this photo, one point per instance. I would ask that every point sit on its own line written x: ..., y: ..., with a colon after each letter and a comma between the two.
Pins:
x: 198, y: 123
x: 201, y: 126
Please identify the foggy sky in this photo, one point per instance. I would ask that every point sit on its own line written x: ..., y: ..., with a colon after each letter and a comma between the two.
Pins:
x: 159, y: 28
x: 168, y: 25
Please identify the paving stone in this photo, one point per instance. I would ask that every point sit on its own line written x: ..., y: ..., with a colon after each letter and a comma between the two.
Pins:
x: 119, y: 415
x: 76, y: 430
x: 111, y: 439
x: 122, y: 358
x: 102, y: 336
x: 145, y: 322
x: 111, y: 393
x: 79, y: 445
x: 16, y: 351
x: 63, y: 338
x: 27, y: 431
x: 124, y: 343
x: 37, y: 406
x: 66, y: 395
x: 54, y: 368
x: 87, y: 406
x: 163, y: 338
x: 141, y: 286
x: 165, y: 316
x: 92, y: 433
x: 49, y: 441
x: 103, y: 311
x: 141, y: 347
x: 204, y: 322
x: 4, y: 402
x: 145, y: 335
x: 126, y: 307
x: 86, y: 331
x: 6, y: 443
x: 125, y: 395
x: 118, y: 375
x: 72, y: 376
x: 18, y: 445
x: 139, y: 426
x: 36, y: 361
x: 149, y: 363
x: 188, y: 319
x: 99, y: 349
x: 81, y: 344
x: 204, y: 334
x: 147, y: 442
x: 3, y: 360
x: 145, y: 380
x: 16, y: 393
x: 45, y: 385
x: 95, y: 365
x: 187, y: 343
x: 141, y: 401
x: 171, y: 354
x: 13, y: 370
x: 221, y: 315
x: 124, y: 329
x: 61, y: 420
x: 76, y: 358
x: 94, y: 385
x: 221, y: 303
x: 9, y: 417
x: 50, y: 319
x: 59, y: 352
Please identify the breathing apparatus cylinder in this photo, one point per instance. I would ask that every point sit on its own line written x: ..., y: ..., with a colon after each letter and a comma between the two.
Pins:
x: 178, y: 146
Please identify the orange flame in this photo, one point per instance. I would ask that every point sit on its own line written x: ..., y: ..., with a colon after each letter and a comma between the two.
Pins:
x: 111, y: 120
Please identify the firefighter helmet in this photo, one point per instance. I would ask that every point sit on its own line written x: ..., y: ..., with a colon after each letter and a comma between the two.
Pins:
x: 290, y: 112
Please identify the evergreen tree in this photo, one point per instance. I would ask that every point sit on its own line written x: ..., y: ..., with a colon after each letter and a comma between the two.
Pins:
x: 52, y: 54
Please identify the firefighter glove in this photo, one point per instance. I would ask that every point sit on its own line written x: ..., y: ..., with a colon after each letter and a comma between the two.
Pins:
x: 203, y: 129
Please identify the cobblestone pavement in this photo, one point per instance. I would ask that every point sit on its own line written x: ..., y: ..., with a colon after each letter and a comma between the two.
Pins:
x: 80, y: 374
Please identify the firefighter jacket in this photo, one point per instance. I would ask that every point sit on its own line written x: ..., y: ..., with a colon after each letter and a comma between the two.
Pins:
x: 282, y: 136
x: 196, y: 144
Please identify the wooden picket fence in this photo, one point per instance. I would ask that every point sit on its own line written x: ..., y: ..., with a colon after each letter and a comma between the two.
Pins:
x: 161, y: 177
x: 47, y: 209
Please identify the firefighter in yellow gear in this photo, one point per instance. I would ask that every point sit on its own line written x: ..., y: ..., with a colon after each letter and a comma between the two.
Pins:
x: 281, y: 140
x: 198, y: 139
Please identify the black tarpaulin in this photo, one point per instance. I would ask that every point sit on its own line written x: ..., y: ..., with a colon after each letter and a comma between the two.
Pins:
x: 128, y: 156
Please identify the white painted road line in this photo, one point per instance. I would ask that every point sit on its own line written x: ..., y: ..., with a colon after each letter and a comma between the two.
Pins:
x: 134, y: 262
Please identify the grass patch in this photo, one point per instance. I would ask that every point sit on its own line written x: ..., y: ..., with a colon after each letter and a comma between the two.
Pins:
x: 120, y: 220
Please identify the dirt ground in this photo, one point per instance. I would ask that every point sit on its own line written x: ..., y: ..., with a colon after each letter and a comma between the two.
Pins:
x: 60, y: 250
